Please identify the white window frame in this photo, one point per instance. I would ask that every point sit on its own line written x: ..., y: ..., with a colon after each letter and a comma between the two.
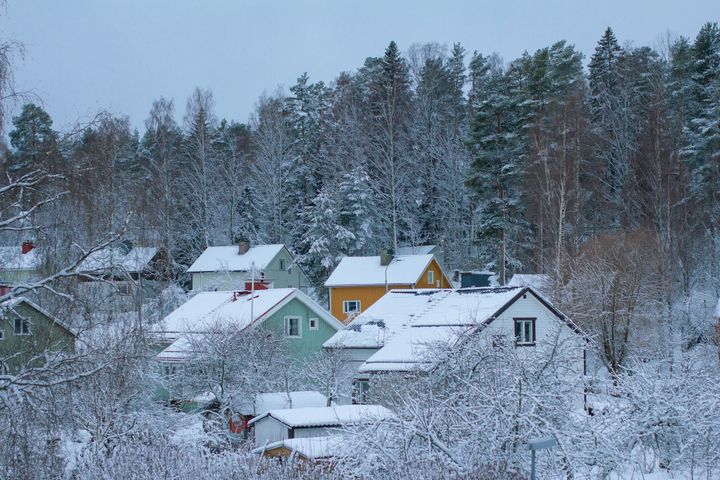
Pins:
x: 23, y: 331
x: 520, y: 341
x: 315, y: 321
x: 360, y: 390
x: 348, y: 302
x: 431, y: 277
x: 287, y: 326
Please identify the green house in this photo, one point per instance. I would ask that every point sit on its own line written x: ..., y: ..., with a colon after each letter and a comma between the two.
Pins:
x: 27, y: 333
x: 287, y: 312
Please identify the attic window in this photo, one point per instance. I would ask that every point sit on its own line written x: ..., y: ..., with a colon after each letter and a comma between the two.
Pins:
x: 431, y: 277
x: 292, y: 327
x: 282, y: 264
x: 313, y: 323
x: 524, y: 332
x: 22, y: 326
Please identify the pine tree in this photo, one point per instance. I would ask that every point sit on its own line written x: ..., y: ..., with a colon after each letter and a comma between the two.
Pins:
x: 34, y: 140
x: 495, y: 169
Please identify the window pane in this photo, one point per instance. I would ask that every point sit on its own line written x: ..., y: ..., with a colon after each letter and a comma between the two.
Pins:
x: 518, y: 329
x: 528, y: 331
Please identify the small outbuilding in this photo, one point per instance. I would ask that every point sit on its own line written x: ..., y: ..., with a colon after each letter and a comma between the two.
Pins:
x: 285, y: 424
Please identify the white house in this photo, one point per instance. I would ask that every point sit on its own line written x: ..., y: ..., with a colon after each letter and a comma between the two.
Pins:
x: 278, y: 425
x: 234, y: 267
x: 399, y: 331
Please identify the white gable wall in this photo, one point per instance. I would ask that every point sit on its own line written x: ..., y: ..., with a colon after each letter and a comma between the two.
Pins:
x: 268, y: 430
x: 548, y: 329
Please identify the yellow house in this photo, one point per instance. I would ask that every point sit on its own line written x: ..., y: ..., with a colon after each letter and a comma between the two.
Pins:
x: 358, y: 282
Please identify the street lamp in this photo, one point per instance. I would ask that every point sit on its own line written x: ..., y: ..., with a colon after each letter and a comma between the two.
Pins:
x: 539, y: 444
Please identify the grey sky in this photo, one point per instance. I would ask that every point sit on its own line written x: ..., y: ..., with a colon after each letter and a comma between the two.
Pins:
x: 84, y: 55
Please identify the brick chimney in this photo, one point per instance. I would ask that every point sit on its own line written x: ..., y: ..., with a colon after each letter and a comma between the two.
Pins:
x: 243, y: 247
x: 27, y: 246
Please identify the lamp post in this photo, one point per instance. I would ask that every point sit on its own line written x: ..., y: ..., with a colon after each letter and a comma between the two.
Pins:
x: 539, y: 444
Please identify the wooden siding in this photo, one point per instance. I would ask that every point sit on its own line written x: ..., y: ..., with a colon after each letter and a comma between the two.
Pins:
x: 372, y: 293
x: 310, y: 342
x: 24, y: 349
x: 366, y: 295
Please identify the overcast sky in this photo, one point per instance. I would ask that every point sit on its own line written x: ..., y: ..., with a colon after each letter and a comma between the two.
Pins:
x: 86, y: 55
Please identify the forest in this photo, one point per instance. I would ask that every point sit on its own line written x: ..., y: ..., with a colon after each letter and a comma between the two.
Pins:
x: 602, y: 172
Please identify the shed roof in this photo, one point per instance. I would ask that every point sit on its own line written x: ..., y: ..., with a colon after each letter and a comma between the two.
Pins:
x: 227, y: 259
x: 328, y: 416
x: 311, y: 448
x: 364, y: 271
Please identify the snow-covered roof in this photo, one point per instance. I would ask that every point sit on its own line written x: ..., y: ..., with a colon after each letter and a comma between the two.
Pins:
x: 384, y: 318
x: 415, y: 250
x: 312, y: 448
x: 538, y: 281
x: 228, y: 259
x: 405, y: 324
x: 328, y: 416
x: 265, y: 402
x: 114, y: 258
x: 12, y: 258
x: 403, y: 270
x: 237, y: 309
x: 11, y: 304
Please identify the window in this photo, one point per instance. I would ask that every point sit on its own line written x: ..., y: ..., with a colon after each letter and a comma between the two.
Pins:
x: 361, y: 388
x: 123, y: 289
x: 169, y: 370
x: 22, y: 326
x: 2, y: 335
x: 524, y: 331
x: 313, y: 323
x: 292, y: 327
x: 282, y: 264
x: 431, y: 277
x: 351, y: 306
